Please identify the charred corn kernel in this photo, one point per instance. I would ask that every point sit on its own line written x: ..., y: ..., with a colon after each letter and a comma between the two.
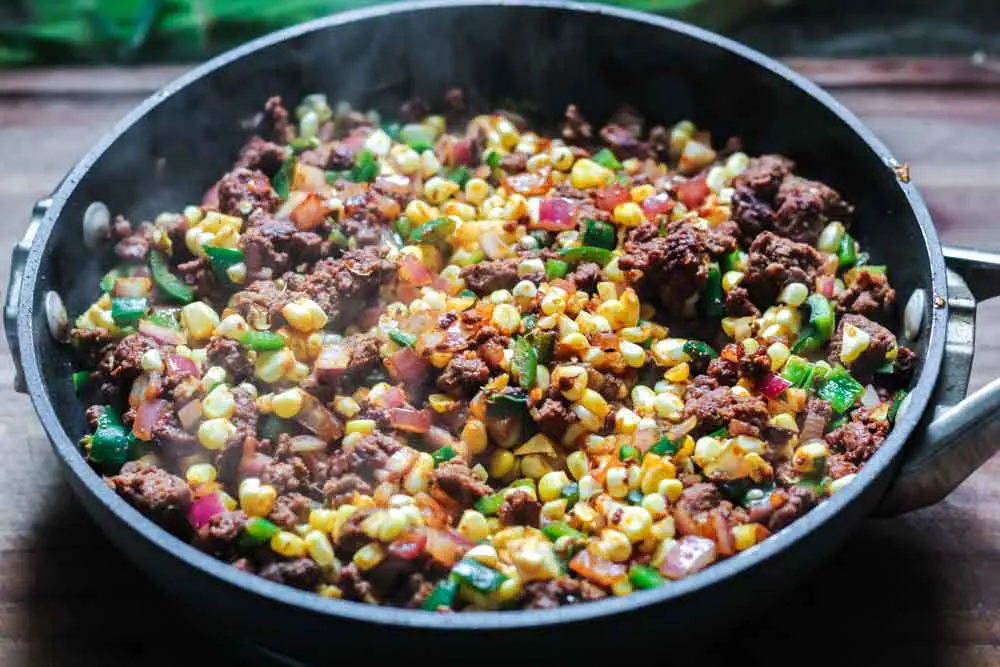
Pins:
x: 588, y: 487
x: 272, y: 366
x: 346, y: 406
x: 595, y: 403
x: 288, y: 544
x: 256, y: 499
x: 441, y: 403
x: 784, y: 421
x: 633, y: 354
x: 507, y: 133
x: 368, y: 556
x: 213, y: 433
x: 418, y: 212
x: 616, y: 482
x: 640, y: 192
x: 670, y: 351
x: 525, y: 290
x: 554, y: 302
x: 501, y: 463
x: 671, y: 489
x: 237, y: 273
x: 200, y: 473
x: 664, y: 529
x: 551, y: 484
x: 538, y: 162
x: 199, y: 320
x: 794, y: 294
x: 655, y: 504
x: 323, y: 519
x: 629, y: 214
x: 232, y: 326
x: 476, y: 191
x: 304, y: 315
x: 635, y: 523
x: 731, y: 279
x: 744, y: 536
x: 438, y: 190
x: 571, y: 381
x: 473, y: 526
x: 577, y: 465
x: 614, y: 546
x: 855, y: 341
x: 363, y: 426
x: 218, y: 403
x: 653, y: 477
x: 151, y: 360
x: 562, y: 158
x: 643, y: 400
x: 566, y: 327
x: 779, y: 353
x: 499, y: 296
x: 738, y: 328
x: 830, y: 237
x: 506, y: 318
x: 678, y: 373
x: 809, y: 458
x: 534, y: 466
x: 707, y: 450
x: 839, y: 483
x: 288, y: 403
x: 626, y: 421
x: 669, y: 406
x: 588, y: 174
x: 319, y: 548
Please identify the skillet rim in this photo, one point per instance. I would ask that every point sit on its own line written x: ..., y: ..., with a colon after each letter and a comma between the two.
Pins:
x: 69, y: 454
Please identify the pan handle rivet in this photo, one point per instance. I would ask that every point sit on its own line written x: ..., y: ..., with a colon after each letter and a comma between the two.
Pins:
x: 96, y: 225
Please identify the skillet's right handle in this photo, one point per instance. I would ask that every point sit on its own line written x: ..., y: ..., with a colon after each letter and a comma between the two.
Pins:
x: 964, y: 431
x: 19, y: 255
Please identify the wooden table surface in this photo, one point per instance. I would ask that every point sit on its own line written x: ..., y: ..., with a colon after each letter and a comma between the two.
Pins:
x: 924, y: 588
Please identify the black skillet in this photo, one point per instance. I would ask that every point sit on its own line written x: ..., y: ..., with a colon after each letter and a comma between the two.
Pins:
x: 162, y: 155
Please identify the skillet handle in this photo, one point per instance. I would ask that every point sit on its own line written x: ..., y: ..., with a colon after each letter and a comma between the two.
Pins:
x: 964, y: 430
x: 19, y: 256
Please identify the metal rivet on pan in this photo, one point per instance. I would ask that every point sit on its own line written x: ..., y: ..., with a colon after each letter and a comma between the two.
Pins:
x: 55, y: 316
x: 96, y: 225
x: 913, y: 314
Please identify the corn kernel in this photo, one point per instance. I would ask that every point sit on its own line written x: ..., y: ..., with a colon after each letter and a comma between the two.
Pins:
x: 855, y: 341
x: 577, y: 464
x: 643, y: 400
x: 629, y: 214
x: 369, y: 556
x: 626, y: 421
x: 641, y: 192
x: 744, y: 536
x: 784, y: 421
x: 614, y: 546
x: 669, y: 406
x: 393, y: 525
x: 707, y: 450
x: 319, y: 547
x: 256, y: 499
x: 151, y: 360
x: 288, y: 544
x: 501, y: 463
x: 616, y: 483
x: 830, y: 237
x: 200, y: 473
x: 288, y: 403
x: 588, y: 174
x: 213, y: 433
x: 298, y: 372
x: 571, y: 381
x: 671, y: 488
x: 633, y: 354
x: 272, y: 366
x: 635, y: 523
x: 678, y: 373
x: 304, y: 315
x: 219, y: 403
x: 346, y: 406
x: 476, y: 191
x: 655, y: 504
x: 810, y: 457
x: 199, y: 320
x: 551, y: 485
x: 594, y: 402
x: 438, y: 190
x: 473, y: 526
x: 794, y: 294
x: 534, y: 466
x: 562, y: 158
x: 322, y: 519
x: 232, y: 326
x: 670, y: 351
x: 506, y: 318
x: 731, y: 279
x: 588, y: 487
x: 554, y: 302
x: 418, y: 212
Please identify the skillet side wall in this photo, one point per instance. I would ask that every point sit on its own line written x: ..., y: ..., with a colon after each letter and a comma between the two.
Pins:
x: 548, y: 56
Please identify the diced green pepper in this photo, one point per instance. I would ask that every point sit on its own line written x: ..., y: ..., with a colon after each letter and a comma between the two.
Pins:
x: 555, y: 268
x: 392, y: 129
x: 128, y: 309
x: 820, y: 487
x: 558, y: 529
x: 524, y: 363
x: 257, y: 531
x: 403, y: 227
x: 633, y: 497
x: 108, y: 281
x: 109, y: 446
x: 664, y: 446
x: 699, y: 351
x: 166, y: 317
x: 480, y: 577
x: 711, y: 302
x: 795, y: 369
x: 734, y: 260
x: 282, y: 181
x: 338, y: 238
x: 302, y: 144
x: 433, y: 231
x: 629, y: 453
x: 529, y: 321
x: 645, y: 577
x: 402, y: 338
x: 222, y: 259
x: 720, y: 433
x: 489, y: 505
x: 273, y: 427
x: 897, y: 400
x: 822, y: 319
x: 599, y: 234
x: 443, y: 454
x: 166, y: 280
x: 586, y: 253
x: 80, y: 380
x: 507, y: 403
x: 459, y: 174
x: 262, y: 340
x: 607, y: 159
x: 571, y: 492
x: 443, y: 595
x: 841, y: 389
x: 847, y: 253
x: 544, y: 343
x: 492, y: 158
x: 418, y: 136
x: 365, y: 167
x: 467, y: 293
x: 836, y: 423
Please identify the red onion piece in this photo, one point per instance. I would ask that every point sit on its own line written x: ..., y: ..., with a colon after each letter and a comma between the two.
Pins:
x: 307, y: 443
x: 409, y: 419
x: 315, y: 417
x: 190, y: 415
x: 146, y: 416
x: 411, y: 270
x: 308, y: 178
x: 407, y: 367
x: 611, y: 196
x: 409, y: 546
x: 445, y: 546
x: 162, y: 335
x: 179, y: 366
x: 369, y: 316
x: 723, y: 535
x: 529, y: 183
x: 688, y: 555
x: 132, y: 286
x: 693, y: 192
x: 658, y: 204
x: 597, y: 569
x: 825, y: 285
x: 556, y: 214
x: 773, y: 385
x: 203, y: 509
x: 334, y: 357
x: 393, y: 397
x: 310, y: 214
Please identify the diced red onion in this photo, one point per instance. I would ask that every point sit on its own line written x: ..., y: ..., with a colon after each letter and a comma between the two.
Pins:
x: 162, y: 335
x: 693, y: 192
x: 411, y: 270
x: 656, y: 205
x: 687, y: 556
x: 292, y: 203
x: 773, y: 385
x: 610, y: 197
x: 446, y: 546
x: 333, y: 357
x: 203, y: 509
x: 825, y: 285
x: 528, y: 183
x: 461, y: 152
x: 723, y: 534
x: 310, y: 214
x: 190, y: 415
x: 393, y: 397
x: 645, y: 438
x: 407, y: 367
x: 307, y: 443
x: 439, y: 437
x: 308, y: 178
x: 369, y: 316
x: 409, y: 419
x: 146, y: 416
x: 314, y: 416
x: 603, y: 572
x: 409, y: 546
x: 178, y: 366
x: 813, y: 426
x: 556, y: 214
x: 132, y: 286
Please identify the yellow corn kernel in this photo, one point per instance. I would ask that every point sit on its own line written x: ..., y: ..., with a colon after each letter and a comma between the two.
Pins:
x: 256, y: 499
x: 213, y: 433
x: 288, y: 403
x: 744, y: 536
x: 393, y: 525
x: 785, y: 421
x: 643, y: 400
x: 678, y: 373
x: 629, y: 214
x: 594, y: 402
x: 362, y: 426
x: 534, y: 466
x: 554, y: 302
x: 670, y: 351
x: 669, y: 406
x: 304, y: 315
x: 779, y: 353
x: 341, y: 515
x: 616, y: 482
x: 794, y: 294
x: 319, y: 547
x: 272, y: 366
x: 346, y: 406
x: 152, y: 360
x: 626, y: 421
x: 633, y: 354
x: 641, y: 192
x: 562, y: 157
x: 614, y: 546
x: 323, y: 519
x: 418, y: 212
x: 577, y: 465
x: 476, y: 191
x: 474, y: 436
x: 654, y: 476
x: 707, y: 450
x: 655, y: 504
x: 506, y: 318
x: 199, y: 320
x: 419, y: 477
x: 671, y: 488
x: 855, y: 341
x: 369, y: 556
x: 288, y: 544
x: 551, y: 485
x: 635, y: 523
x: 588, y: 174
x: 473, y: 526
x: 731, y: 279
x: 809, y: 458
x: 438, y: 190
x: 219, y: 403
x: 200, y: 473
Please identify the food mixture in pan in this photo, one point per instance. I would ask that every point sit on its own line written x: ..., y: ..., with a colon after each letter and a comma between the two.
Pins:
x: 452, y: 363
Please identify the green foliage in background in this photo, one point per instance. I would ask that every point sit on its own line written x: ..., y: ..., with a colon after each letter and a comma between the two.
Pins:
x: 119, y: 31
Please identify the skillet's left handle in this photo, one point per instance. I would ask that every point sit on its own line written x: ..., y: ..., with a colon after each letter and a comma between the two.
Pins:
x: 19, y: 256
x: 964, y: 431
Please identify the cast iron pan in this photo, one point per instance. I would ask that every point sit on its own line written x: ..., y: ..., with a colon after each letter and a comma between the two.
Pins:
x: 164, y: 153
